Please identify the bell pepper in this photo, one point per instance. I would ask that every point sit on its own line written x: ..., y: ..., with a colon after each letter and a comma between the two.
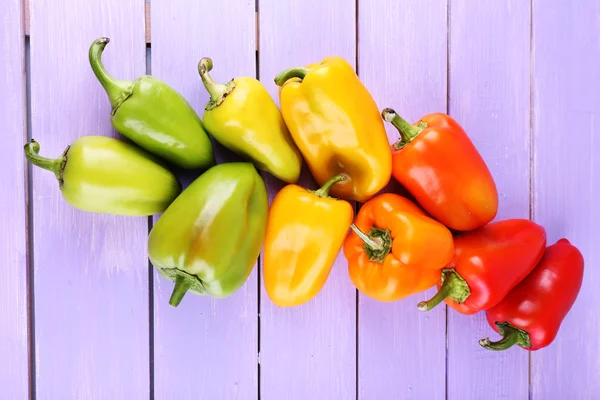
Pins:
x: 403, y: 251
x: 305, y: 232
x: 440, y: 167
x: 242, y: 116
x: 154, y: 116
x: 209, y: 238
x: 488, y: 262
x: 335, y: 123
x: 531, y: 314
x: 104, y: 175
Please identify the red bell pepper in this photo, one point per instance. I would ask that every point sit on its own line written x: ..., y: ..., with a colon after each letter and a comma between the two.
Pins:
x: 488, y: 262
x: 438, y: 164
x: 531, y: 314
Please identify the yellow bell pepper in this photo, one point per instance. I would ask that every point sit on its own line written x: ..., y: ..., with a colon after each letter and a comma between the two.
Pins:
x: 242, y: 116
x: 305, y: 232
x: 337, y: 126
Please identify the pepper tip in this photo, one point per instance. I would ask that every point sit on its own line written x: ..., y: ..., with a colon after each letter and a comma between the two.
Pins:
x: 388, y: 114
x: 423, y: 306
x: 205, y: 65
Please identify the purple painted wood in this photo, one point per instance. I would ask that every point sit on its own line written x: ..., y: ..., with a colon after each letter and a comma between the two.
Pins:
x: 489, y: 96
x: 204, y: 348
x: 402, y: 351
x: 567, y: 182
x: 13, y: 219
x: 309, y: 351
x: 91, y: 270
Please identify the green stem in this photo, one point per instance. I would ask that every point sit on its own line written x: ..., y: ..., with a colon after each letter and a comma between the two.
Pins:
x: 510, y: 337
x: 114, y: 88
x: 374, y: 245
x: 217, y: 91
x: 453, y: 286
x: 296, y: 72
x: 56, y: 165
x: 508, y: 340
x: 324, y: 190
x: 182, y: 285
x: 407, y: 131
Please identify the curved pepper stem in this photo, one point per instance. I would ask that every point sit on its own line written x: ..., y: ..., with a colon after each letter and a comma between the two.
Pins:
x: 182, y: 285
x: 378, y: 242
x: 453, y: 286
x: 284, y: 76
x: 407, y: 131
x: 115, y: 89
x: 510, y: 337
x: 324, y: 190
x: 217, y: 91
x: 56, y: 165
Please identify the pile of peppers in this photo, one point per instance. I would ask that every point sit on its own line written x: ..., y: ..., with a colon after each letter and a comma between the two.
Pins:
x: 209, y: 235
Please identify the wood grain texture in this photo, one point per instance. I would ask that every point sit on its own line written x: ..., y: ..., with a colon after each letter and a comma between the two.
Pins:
x: 489, y: 96
x: 307, y: 352
x: 91, y: 270
x: 204, y: 348
x: 401, y: 350
x: 13, y: 215
x: 566, y: 112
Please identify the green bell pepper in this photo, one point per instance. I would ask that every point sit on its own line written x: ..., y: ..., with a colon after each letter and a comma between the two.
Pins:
x: 154, y: 116
x: 209, y: 238
x: 105, y: 175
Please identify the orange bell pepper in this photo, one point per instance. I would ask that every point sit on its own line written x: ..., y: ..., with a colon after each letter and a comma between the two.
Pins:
x: 337, y: 127
x: 403, y: 252
x: 305, y: 232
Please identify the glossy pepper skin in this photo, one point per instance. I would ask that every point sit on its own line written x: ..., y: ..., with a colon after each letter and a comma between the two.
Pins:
x: 104, y: 175
x: 242, y: 116
x: 335, y: 123
x: 488, y: 262
x: 209, y: 238
x: 154, y: 116
x: 438, y: 164
x: 305, y: 232
x: 531, y: 314
x: 403, y: 251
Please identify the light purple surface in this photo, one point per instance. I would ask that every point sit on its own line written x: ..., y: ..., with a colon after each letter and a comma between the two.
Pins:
x: 204, y: 348
x: 512, y: 85
x: 13, y: 216
x: 401, y: 350
x: 489, y: 95
x: 91, y: 270
x: 307, y: 352
x: 566, y: 184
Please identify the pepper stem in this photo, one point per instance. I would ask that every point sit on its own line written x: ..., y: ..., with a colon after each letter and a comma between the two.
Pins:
x: 217, y: 91
x: 182, y: 285
x: 407, y: 131
x: 374, y: 244
x: 324, y: 190
x: 296, y: 72
x: 510, y: 337
x: 115, y: 89
x: 55, y: 165
x: 378, y: 242
x: 453, y: 286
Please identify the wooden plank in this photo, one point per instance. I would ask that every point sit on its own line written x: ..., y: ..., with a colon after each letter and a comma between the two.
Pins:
x: 14, y: 363
x: 91, y: 270
x: 567, y: 182
x: 307, y: 352
x: 401, y: 351
x: 204, y: 348
x: 489, y: 96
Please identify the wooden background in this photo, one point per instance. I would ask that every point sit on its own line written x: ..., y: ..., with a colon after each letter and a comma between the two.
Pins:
x: 83, y: 315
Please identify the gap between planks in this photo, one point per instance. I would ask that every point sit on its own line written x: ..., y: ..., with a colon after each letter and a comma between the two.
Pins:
x: 147, y: 18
